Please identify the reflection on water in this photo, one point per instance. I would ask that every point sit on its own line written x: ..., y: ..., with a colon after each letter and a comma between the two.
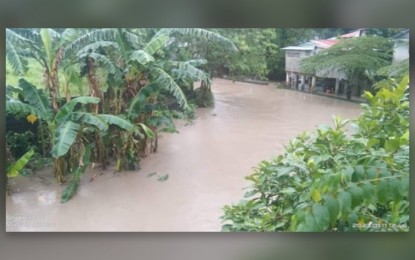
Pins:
x: 206, y: 163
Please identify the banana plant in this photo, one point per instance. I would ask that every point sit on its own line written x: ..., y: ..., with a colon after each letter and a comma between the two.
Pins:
x: 133, y: 63
x: 15, y: 168
x: 46, y: 47
x: 65, y: 126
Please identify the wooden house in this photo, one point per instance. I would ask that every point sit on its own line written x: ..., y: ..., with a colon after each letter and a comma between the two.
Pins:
x: 328, y: 81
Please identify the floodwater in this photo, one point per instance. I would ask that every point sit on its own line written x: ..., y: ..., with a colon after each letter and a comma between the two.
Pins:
x: 206, y: 164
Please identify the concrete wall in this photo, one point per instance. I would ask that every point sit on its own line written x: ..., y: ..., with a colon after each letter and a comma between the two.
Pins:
x: 401, y: 51
x: 292, y: 59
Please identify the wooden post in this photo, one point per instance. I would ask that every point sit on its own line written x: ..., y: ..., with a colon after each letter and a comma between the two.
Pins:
x: 287, y: 79
x: 336, y: 89
x: 348, y: 90
x: 313, y: 84
x: 295, y: 81
x: 302, y: 82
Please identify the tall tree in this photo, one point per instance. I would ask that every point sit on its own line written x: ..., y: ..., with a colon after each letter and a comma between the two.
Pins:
x: 358, y: 58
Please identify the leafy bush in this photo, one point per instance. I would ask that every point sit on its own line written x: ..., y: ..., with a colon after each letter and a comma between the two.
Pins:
x: 330, y: 180
x: 204, y: 97
x: 20, y: 143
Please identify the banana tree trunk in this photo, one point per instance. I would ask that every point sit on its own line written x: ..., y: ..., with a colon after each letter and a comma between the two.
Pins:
x: 52, y: 79
x: 94, y: 88
x: 52, y: 83
x: 60, y: 170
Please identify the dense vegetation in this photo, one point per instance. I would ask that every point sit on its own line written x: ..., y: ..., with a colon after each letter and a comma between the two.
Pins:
x: 260, y: 53
x: 135, y: 92
x: 329, y: 180
x: 359, y: 59
x: 103, y: 96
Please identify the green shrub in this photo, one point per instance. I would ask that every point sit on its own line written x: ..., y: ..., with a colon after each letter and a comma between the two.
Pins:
x: 333, y: 181
x: 204, y: 97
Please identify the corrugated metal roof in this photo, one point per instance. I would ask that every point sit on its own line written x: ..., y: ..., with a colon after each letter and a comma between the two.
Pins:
x: 325, y: 43
x: 307, y: 46
x: 351, y: 34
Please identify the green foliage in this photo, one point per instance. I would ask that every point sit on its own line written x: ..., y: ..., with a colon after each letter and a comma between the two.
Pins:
x: 68, y: 108
x: 36, y: 98
x: 132, y: 79
x: 204, y: 97
x: 396, y: 70
x: 255, y: 58
x: 72, y: 187
x: 65, y: 136
x: 332, y: 181
x: 166, y: 81
x: 17, y: 63
x: 20, y: 143
x: 118, y: 121
x: 147, y: 131
x: 358, y: 58
x: 15, y: 168
x: 69, y: 191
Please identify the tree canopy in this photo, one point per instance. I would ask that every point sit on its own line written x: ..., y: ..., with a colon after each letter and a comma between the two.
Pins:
x: 358, y: 58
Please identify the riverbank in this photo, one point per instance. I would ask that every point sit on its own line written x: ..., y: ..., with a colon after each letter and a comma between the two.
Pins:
x: 206, y: 164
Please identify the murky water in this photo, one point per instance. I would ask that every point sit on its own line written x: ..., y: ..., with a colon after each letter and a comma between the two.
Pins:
x: 206, y: 163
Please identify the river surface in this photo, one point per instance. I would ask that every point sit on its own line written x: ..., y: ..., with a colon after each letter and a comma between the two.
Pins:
x: 206, y: 164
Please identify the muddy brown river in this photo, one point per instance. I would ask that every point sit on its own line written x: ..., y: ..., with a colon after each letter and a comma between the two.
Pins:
x: 206, y: 164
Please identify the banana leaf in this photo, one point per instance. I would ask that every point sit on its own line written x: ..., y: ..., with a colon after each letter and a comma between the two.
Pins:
x: 65, y: 136
x: 17, y: 166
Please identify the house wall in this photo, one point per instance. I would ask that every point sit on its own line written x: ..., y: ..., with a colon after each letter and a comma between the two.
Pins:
x: 292, y: 65
x: 401, y: 51
x: 292, y: 59
x: 401, y: 47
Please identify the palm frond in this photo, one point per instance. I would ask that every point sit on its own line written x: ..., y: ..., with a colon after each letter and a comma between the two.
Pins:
x: 12, y: 91
x: 72, y: 187
x: 67, y: 109
x: 104, y: 61
x: 156, y: 43
x: 69, y: 35
x: 133, y: 39
x: 108, y: 34
x: 186, y: 70
x: 163, y: 79
x: 70, y: 190
x: 93, y: 47
x: 37, y: 98
x: 47, y: 40
x: 197, y: 62
x: 64, y: 137
x: 90, y: 119
x: 17, y: 39
x: 14, y: 169
x: 16, y: 107
x: 118, y: 121
x: 17, y: 62
x: 140, y: 99
x: 147, y: 131
x: 141, y: 56
x: 205, y: 34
